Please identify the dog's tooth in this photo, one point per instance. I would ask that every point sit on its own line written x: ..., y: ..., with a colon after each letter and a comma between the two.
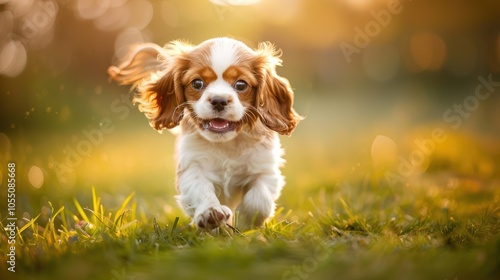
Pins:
x: 205, y: 125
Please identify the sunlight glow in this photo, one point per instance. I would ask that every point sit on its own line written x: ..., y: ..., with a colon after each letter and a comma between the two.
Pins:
x: 234, y: 2
x: 90, y: 9
x: 428, y: 51
x: 359, y: 4
x: 13, y: 58
x: 35, y: 176
x: 384, y: 151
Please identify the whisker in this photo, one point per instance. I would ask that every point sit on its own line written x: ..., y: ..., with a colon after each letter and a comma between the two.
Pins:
x: 181, y: 107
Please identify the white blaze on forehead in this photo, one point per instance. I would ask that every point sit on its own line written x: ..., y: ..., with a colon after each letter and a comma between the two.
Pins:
x: 223, y: 54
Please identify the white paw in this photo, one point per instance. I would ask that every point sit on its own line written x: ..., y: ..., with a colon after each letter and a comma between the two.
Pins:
x: 212, y: 217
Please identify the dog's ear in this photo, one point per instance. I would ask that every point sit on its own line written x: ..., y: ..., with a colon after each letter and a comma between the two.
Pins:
x: 274, y: 95
x: 139, y: 63
x: 155, y: 73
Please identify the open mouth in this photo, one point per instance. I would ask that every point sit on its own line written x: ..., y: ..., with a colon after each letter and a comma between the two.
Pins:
x: 218, y: 125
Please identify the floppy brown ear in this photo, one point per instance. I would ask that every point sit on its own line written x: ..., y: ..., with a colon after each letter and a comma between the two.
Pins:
x: 155, y: 73
x: 161, y: 98
x: 139, y: 63
x: 275, y: 95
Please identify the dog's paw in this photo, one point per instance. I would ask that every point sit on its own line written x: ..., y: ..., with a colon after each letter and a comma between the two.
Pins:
x: 212, y: 217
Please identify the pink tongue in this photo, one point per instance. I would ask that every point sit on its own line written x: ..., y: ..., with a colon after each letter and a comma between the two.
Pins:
x: 218, y: 123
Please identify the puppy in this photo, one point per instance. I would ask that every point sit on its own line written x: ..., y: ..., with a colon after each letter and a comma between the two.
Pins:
x: 230, y: 106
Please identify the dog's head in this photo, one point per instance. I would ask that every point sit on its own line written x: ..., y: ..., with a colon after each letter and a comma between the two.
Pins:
x: 221, y: 86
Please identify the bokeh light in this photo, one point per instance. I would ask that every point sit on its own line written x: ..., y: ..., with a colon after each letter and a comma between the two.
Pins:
x: 359, y: 4
x: 428, y: 52
x: 35, y: 176
x: 169, y: 14
x: 91, y: 9
x: 234, y: 2
x: 384, y: 152
x: 128, y: 37
x: 13, y: 58
x: 116, y: 18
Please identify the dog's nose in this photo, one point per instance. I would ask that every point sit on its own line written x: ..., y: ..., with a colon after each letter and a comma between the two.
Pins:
x: 218, y: 103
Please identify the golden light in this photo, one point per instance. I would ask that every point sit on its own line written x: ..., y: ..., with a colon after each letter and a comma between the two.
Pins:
x: 116, y: 14
x: 427, y: 51
x: 114, y: 19
x: 169, y: 14
x: 234, y: 2
x: 90, y: 9
x: 13, y: 58
x: 384, y: 152
x: 142, y: 13
x: 359, y: 4
x: 126, y: 38
x: 36, y: 177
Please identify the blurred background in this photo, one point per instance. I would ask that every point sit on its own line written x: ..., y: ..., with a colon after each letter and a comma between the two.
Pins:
x: 374, y: 78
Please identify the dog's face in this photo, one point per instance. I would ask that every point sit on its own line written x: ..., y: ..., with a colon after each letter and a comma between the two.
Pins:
x: 221, y: 89
x: 218, y: 87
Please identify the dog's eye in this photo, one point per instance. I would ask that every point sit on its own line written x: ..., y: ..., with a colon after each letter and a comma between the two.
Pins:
x: 197, y: 84
x: 240, y: 86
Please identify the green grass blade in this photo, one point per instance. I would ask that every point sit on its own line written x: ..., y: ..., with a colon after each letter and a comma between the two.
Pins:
x: 27, y: 225
x: 174, y: 226
x: 96, y: 203
x: 122, y: 208
x: 58, y: 212
x: 80, y: 210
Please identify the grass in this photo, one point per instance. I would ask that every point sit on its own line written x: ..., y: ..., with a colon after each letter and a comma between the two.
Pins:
x: 338, y: 217
x: 352, y: 231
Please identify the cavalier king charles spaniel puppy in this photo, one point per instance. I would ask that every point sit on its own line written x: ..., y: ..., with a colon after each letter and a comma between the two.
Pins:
x: 230, y: 106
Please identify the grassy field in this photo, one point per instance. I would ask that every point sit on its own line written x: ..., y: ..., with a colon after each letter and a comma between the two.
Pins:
x: 339, y: 216
x: 393, y: 174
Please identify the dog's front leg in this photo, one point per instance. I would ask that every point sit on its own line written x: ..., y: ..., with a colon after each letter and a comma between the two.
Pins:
x: 198, y: 199
x: 259, y: 201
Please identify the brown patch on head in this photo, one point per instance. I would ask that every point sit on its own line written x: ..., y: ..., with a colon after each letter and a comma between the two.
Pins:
x: 239, y: 73
x: 208, y: 75
x: 200, y: 55
x: 205, y: 73
x: 198, y: 69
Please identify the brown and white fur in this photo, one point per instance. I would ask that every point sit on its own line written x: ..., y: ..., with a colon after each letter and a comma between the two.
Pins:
x: 230, y: 105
